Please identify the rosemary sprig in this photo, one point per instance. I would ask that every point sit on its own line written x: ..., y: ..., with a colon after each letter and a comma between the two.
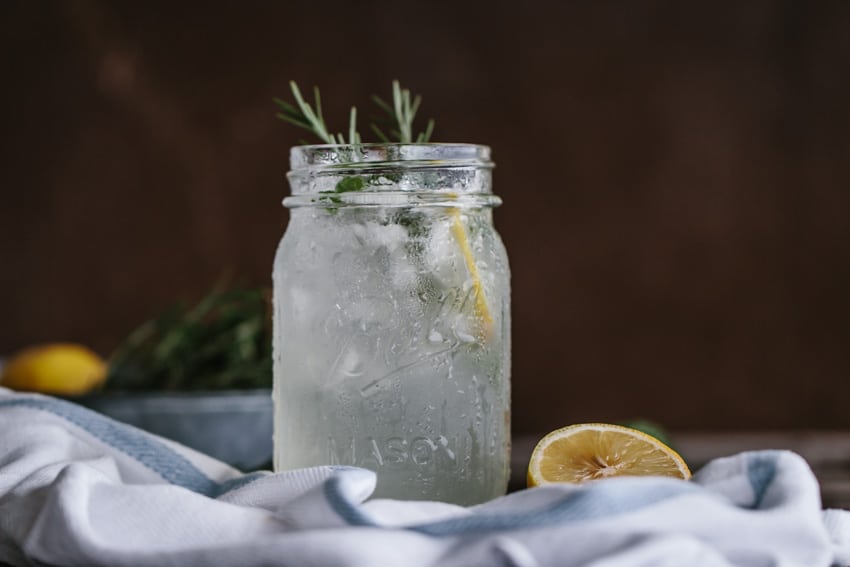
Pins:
x: 401, y: 113
x: 223, y: 342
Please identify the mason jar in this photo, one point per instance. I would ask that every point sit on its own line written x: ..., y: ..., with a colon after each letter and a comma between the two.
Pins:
x: 392, y: 320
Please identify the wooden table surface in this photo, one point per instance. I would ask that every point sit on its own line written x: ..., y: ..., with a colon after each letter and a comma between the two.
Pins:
x: 827, y: 452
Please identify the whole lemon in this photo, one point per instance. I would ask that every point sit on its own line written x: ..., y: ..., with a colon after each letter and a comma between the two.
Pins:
x: 59, y: 368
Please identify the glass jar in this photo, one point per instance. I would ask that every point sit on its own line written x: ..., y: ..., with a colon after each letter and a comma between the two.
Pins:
x: 392, y: 320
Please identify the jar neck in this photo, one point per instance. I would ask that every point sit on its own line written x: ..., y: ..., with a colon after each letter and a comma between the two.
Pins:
x: 392, y: 199
x: 383, y: 216
x: 391, y: 175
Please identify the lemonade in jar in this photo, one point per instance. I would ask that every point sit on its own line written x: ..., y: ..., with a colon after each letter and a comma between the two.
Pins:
x: 392, y: 320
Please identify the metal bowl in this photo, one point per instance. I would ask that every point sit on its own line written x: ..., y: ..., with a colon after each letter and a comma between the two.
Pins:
x: 232, y: 426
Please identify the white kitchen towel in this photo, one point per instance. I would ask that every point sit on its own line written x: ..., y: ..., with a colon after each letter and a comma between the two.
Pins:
x: 77, y: 488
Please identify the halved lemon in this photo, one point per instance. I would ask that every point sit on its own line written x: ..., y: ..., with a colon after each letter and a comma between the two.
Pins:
x: 591, y: 451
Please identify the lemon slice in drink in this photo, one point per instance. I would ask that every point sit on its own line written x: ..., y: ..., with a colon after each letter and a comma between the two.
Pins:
x: 482, y: 312
x: 591, y: 451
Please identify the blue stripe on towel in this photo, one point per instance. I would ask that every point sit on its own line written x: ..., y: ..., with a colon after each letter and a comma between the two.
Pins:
x: 593, y: 501
x: 238, y: 482
x: 144, y: 448
x: 351, y: 513
x: 761, y: 470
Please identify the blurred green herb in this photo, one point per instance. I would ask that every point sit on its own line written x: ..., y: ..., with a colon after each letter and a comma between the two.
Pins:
x: 651, y: 428
x: 223, y: 342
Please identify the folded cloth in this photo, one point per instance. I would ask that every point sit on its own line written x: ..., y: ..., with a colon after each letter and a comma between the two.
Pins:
x: 77, y: 488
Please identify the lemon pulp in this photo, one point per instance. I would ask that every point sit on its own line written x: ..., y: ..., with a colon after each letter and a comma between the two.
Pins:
x: 591, y: 451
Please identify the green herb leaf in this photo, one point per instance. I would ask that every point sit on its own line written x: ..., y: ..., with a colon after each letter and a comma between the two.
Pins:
x: 349, y: 184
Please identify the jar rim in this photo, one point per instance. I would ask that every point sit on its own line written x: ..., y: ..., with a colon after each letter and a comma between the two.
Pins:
x: 330, y: 157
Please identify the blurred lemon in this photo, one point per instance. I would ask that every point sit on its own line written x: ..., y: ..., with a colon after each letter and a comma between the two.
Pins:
x: 59, y: 368
x: 591, y: 451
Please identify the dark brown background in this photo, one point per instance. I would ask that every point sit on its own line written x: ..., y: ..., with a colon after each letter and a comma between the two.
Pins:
x: 675, y: 179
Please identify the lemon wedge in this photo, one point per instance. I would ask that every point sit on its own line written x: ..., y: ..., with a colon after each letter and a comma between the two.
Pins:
x: 482, y: 311
x: 591, y: 451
